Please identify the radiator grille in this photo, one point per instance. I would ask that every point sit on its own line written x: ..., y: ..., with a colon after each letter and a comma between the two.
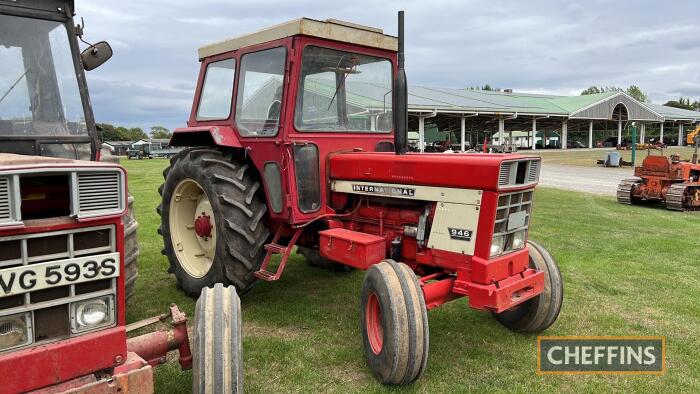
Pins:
x: 509, y: 204
x: 98, y: 191
x: 5, y: 209
x: 518, y: 173
x: 48, y: 310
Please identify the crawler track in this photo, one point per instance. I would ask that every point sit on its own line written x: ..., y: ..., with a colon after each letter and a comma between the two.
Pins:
x: 676, y: 197
x: 624, y: 190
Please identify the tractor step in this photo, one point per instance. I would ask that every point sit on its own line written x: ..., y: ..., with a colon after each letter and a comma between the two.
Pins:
x: 274, y: 248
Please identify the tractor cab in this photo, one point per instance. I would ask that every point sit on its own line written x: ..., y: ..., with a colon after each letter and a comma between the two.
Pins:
x: 294, y: 94
x: 44, y: 105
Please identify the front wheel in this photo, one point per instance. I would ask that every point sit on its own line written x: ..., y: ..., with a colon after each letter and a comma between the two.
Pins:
x: 540, y: 312
x: 218, y: 348
x: 394, y: 323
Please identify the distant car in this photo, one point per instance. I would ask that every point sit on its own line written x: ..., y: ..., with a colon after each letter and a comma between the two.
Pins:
x: 575, y: 145
x: 611, y: 142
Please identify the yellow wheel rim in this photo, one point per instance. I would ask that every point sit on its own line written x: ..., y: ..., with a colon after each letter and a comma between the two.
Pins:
x: 192, y: 228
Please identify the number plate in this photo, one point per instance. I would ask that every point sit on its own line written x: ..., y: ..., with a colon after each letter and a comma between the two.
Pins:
x: 39, y: 276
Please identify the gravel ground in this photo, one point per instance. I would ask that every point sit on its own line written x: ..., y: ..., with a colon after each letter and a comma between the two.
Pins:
x: 596, y: 180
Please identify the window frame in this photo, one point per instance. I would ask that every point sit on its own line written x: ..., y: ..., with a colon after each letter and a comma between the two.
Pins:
x: 238, y: 81
x: 340, y: 48
x: 204, y: 81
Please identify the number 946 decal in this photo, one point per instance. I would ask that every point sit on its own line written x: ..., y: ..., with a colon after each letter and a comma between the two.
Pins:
x: 460, y: 234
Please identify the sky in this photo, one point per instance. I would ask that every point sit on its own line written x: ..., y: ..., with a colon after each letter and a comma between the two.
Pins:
x: 554, y: 47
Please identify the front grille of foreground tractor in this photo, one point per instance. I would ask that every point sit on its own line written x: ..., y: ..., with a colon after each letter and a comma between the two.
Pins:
x: 508, y: 205
x: 49, y: 313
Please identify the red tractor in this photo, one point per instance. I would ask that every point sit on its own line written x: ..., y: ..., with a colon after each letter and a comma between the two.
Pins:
x: 297, y: 137
x: 67, y: 235
x: 662, y: 179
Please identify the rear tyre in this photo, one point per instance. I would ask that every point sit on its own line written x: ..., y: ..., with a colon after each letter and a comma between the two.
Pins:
x: 217, y: 345
x: 394, y: 323
x: 131, y: 250
x: 314, y: 258
x: 538, y: 313
x: 212, y: 220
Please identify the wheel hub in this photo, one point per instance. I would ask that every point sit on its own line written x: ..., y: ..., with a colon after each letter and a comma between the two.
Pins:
x: 203, y: 226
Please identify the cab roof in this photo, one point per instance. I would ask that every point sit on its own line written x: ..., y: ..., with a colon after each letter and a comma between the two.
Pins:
x: 330, y: 29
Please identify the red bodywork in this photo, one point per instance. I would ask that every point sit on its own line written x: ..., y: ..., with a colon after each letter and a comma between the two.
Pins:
x: 658, y: 173
x: 65, y: 364
x: 491, y: 283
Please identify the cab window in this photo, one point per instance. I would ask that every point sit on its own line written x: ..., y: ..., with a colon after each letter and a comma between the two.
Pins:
x: 343, y: 91
x: 215, y: 99
x: 259, y: 99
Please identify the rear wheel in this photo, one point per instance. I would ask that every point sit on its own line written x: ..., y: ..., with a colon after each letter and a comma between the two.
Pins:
x: 394, y: 323
x: 212, y: 220
x: 217, y: 345
x: 540, y: 312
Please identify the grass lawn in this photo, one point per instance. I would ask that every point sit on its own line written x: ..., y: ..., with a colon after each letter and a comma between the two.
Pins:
x: 627, y: 271
x: 588, y: 157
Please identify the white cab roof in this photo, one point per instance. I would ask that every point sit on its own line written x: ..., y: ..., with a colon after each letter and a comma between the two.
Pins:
x: 330, y: 29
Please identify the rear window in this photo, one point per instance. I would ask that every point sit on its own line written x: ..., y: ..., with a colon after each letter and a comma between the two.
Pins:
x: 215, y: 99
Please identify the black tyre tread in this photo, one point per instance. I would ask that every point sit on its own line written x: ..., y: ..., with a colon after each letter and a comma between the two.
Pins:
x: 405, y: 350
x: 217, y: 342
x: 131, y: 250
x: 240, y: 231
x: 537, y: 314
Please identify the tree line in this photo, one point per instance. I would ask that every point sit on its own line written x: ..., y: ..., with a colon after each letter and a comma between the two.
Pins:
x: 109, y: 132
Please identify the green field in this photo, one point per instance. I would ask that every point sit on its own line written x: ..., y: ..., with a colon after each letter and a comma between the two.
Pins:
x: 627, y: 271
x: 588, y: 157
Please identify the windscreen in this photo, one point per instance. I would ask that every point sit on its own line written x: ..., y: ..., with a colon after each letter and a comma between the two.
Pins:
x: 343, y: 91
x: 39, y: 94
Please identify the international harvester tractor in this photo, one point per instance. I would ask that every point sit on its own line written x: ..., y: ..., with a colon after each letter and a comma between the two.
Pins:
x: 67, y: 234
x: 297, y: 137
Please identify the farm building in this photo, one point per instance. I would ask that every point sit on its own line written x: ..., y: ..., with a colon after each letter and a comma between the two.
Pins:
x: 448, y: 118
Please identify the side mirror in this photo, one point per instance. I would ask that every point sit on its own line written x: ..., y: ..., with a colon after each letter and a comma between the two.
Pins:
x: 95, y: 55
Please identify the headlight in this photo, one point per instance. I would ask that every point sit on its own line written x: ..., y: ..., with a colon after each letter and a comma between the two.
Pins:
x: 92, y: 313
x: 497, y: 244
x: 518, y: 240
x: 15, y: 331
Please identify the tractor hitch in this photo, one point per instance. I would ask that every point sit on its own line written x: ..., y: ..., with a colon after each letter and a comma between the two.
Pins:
x: 154, y: 347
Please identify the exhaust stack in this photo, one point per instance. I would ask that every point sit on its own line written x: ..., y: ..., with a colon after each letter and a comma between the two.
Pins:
x: 400, y: 99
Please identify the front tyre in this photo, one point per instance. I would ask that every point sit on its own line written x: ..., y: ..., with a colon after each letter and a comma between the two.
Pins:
x: 394, y: 323
x: 217, y: 345
x: 212, y: 221
x: 538, y: 313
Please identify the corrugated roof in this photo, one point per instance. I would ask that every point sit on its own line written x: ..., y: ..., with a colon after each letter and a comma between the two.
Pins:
x: 672, y: 113
x: 423, y: 98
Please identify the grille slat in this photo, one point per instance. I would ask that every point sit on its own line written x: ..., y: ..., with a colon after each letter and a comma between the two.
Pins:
x: 5, y: 212
x: 98, y: 192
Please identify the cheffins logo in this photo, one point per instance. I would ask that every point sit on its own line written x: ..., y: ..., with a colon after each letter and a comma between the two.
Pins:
x: 601, y: 355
